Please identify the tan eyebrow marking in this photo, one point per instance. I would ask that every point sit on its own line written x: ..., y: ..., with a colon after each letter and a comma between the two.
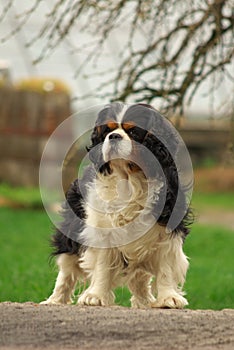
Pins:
x: 112, y: 125
x: 128, y: 125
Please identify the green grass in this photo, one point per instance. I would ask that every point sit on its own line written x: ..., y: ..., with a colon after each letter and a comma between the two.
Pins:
x: 25, y: 273
x: 30, y: 197
x: 26, y: 197
x: 209, y: 282
x: 224, y: 201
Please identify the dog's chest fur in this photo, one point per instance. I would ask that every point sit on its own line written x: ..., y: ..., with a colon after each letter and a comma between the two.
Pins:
x: 115, y: 200
x: 119, y: 208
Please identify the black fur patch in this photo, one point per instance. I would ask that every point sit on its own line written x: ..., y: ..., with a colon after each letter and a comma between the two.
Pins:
x: 74, y: 214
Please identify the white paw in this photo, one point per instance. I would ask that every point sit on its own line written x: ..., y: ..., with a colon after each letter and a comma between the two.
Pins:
x: 174, y: 301
x: 141, y: 303
x: 49, y: 302
x: 89, y: 298
x: 53, y: 301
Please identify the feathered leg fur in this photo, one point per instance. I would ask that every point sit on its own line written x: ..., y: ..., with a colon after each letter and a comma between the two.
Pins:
x: 140, y: 287
x: 99, y: 264
x: 170, y: 272
x: 69, y: 272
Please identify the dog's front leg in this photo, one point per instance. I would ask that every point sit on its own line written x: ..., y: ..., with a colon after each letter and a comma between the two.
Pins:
x: 69, y: 272
x: 170, y: 275
x: 98, y: 265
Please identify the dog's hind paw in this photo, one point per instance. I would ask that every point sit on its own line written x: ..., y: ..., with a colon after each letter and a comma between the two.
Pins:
x: 141, y: 303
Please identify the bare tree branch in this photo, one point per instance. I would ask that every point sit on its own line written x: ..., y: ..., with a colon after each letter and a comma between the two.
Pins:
x: 171, y: 46
x: 5, y: 10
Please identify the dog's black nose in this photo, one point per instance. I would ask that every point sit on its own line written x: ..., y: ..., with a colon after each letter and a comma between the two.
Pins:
x: 115, y: 136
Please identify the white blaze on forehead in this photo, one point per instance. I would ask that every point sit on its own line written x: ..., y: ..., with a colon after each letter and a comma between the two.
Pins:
x: 119, y: 117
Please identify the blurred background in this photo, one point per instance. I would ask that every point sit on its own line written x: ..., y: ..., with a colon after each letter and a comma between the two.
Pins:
x: 58, y: 58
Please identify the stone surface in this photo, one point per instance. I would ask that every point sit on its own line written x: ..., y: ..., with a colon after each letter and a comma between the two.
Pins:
x: 29, y: 326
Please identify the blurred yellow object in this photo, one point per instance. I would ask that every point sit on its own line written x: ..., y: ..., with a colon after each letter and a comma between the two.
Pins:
x: 42, y: 85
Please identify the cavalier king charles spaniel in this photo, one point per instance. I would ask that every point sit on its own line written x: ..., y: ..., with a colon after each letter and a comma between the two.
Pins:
x: 123, y: 223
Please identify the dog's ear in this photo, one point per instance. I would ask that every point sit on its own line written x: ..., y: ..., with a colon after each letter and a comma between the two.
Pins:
x: 158, y: 149
x: 95, y: 149
x: 165, y: 132
x: 96, y: 136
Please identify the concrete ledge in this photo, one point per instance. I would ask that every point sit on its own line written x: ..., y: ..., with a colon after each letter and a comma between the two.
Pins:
x: 29, y: 326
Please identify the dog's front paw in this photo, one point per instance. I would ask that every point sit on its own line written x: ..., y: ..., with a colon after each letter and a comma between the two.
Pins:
x: 174, y: 301
x: 56, y: 301
x: 91, y: 298
x: 49, y: 302
x: 140, y: 303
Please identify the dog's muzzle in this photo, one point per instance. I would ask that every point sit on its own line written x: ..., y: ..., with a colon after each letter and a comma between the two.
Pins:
x: 116, y: 145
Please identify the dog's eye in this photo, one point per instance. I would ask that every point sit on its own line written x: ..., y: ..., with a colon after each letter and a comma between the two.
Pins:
x: 106, y: 129
x: 136, y: 133
x: 131, y: 131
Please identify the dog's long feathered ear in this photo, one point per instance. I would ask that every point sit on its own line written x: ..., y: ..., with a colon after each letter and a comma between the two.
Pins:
x: 171, y: 188
x: 165, y: 132
x: 158, y: 149
x: 164, y: 142
x: 95, y: 148
x: 95, y: 152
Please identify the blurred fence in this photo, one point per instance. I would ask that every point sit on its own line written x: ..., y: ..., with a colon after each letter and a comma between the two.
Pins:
x: 208, y: 140
x: 27, y: 118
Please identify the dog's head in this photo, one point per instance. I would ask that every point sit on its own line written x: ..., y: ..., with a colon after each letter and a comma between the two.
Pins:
x: 148, y: 143
x: 136, y: 133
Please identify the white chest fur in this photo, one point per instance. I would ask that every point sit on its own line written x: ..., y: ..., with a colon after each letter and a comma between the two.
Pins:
x: 119, y: 208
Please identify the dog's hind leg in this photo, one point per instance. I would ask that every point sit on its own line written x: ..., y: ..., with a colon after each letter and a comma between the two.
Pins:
x: 69, y: 272
x: 140, y: 287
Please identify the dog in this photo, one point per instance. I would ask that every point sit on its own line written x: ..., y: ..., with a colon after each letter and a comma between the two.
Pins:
x: 117, y: 228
